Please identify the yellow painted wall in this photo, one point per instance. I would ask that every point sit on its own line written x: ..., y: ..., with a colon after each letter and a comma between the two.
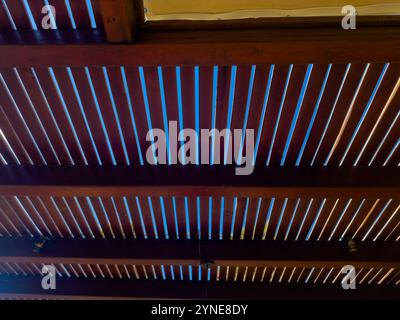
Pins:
x: 236, y: 9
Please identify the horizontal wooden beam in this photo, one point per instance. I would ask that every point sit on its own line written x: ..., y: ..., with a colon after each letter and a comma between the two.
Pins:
x: 30, y: 287
x: 214, y: 252
x: 199, y: 181
x: 208, y: 47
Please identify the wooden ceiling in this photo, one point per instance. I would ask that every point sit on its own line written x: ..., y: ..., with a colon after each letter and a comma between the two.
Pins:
x: 75, y: 108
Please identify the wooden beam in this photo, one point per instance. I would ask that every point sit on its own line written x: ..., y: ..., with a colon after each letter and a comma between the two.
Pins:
x: 119, y: 20
x: 199, y: 181
x: 29, y: 287
x: 226, y: 47
x: 215, y: 252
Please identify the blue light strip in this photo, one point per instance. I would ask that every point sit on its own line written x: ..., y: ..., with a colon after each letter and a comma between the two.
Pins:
x: 197, y: 110
x: 246, y: 210
x: 83, y: 216
x: 175, y: 217
x: 106, y: 216
x: 221, y: 218
x: 210, y: 208
x: 73, y: 217
x: 233, y: 217
x: 315, y: 220
x: 22, y: 119
x: 190, y: 273
x: 181, y: 272
x: 96, y: 219
x: 332, y: 112
x: 153, y: 219
x: 352, y: 219
x: 279, y: 114
x: 129, y: 101
x: 208, y: 274
x: 163, y: 273
x: 70, y: 14
x: 280, y: 218
x: 164, y: 111
x: 71, y: 124
x: 256, y: 219
x: 28, y: 216
x: 230, y: 110
x: 29, y: 14
x: 268, y: 219
x: 103, y: 126
x: 171, y: 268
x: 52, y: 116
x: 292, y: 219
x: 62, y: 217
x: 3, y: 160
x: 214, y: 111
x: 147, y: 109
x: 199, y: 273
x: 91, y: 14
x: 115, y: 111
x: 314, y: 115
x: 391, y: 153
x: 246, y: 114
x: 118, y: 217
x: 304, y: 218
x: 198, y: 218
x: 377, y: 219
x: 309, y: 275
x: 263, y: 112
x: 141, y: 217
x: 71, y: 77
x: 166, y: 234
x: 296, y: 114
x: 180, y: 107
x: 9, y: 16
x: 340, y: 219
x: 187, y: 218
x: 128, y: 212
x: 371, y: 99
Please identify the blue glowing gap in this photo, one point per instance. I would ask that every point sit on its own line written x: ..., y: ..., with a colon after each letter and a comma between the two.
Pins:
x: 292, y: 219
x: 29, y: 14
x: 230, y: 110
x: 164, y: 218
x: 208, y: 274
x: 371, y: 99
x: 268, y: 219
x: 171, y: 267
x: 280, y: 218
x: 263, y: 112
x: 164, y: 110
x: 296, y: 114
x: 103, y: 126
x: 214, y: 110
x: 71, y: 77
x: 187, y: 218
x: 331, y: 114
x: 181, y: 272
x: 9, y: 16
x: 314, y: 115
x: 340, y: 219
x: 132, y: 115
x: 141, y: 217
x: 153, y: 219
x: 233, y: 217
x: 190, y: 273
x: 210, y: 201
x: 28, y: 216
x: 128, y: 212
x: 147, y: 109
x: 246, y: 115
x: 377, y: 219
x: 198, y: 217
x: 3, y: 159
x: 199, y: 272
x: 279, y: 114
x: 91, y: 14
x: 221, y: 219
x: 106, y: 216
x: 197, y: 110
x: 83, y: 216
x: 175, y: 217
x: 180, y: 108
x: 71, y: 124
x: 315, y: 220
x: 391, y: 153
x: 114, y: 107
x: 96, y: 219
x: 70, y: 14
x: 246, y: 210
x: 352, y: 219
x: 163, y: 272
x: 256, y: 219
x: 304, y: 219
